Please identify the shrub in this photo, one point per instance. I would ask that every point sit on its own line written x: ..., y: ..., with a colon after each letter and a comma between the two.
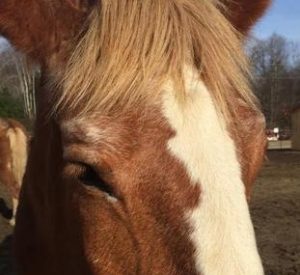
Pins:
x: 11, y: 106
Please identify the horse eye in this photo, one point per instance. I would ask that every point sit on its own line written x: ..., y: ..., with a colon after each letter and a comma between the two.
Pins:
x: 88, y: 176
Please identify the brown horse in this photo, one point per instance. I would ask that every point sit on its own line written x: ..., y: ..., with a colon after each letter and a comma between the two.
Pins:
x: 147, y: 138
x: 13, y: 157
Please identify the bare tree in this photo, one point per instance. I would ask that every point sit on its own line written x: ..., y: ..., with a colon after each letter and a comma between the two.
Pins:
x: 26, y: 76
x: 276, y: 80
x: 19, y: 78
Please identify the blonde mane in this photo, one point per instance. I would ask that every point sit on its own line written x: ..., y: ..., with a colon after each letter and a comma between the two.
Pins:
x: 131, y: 47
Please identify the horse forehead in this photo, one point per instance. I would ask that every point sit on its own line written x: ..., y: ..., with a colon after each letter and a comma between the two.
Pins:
x: 142, y: 125
x: 91, y: 130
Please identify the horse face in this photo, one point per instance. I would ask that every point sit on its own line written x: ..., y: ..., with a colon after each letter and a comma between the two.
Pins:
x: 128, y: 193
x: 135, y: 192
x: 120, y: 193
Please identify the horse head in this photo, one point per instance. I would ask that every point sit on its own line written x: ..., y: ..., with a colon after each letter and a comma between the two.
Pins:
x: 142, y: 164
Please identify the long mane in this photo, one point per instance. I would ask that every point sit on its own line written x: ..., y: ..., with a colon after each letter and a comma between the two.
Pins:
x: 131, y: 47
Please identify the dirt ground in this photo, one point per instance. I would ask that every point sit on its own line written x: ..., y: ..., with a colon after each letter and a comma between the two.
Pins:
x: 275, y: 209
x: 5, y: 236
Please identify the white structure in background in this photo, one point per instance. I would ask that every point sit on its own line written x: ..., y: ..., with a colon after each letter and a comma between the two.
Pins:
x: 275, y: 142
x: 273, y: 135
x: 276, y: 133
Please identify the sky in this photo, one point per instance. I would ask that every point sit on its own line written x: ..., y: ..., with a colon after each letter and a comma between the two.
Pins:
x: 283, y: 18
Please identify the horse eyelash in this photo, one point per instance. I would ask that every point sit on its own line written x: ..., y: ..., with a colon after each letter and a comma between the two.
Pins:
x: 90, y: 177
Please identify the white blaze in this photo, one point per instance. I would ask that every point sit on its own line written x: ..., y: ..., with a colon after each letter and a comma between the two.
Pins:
x: 222, y: 234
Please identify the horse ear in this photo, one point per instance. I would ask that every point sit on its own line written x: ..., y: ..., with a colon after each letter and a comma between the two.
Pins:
x: 81, y: 5
x: 243, y: 14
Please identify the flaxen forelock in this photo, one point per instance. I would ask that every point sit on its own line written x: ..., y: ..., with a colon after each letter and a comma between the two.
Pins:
x: 131, y: 47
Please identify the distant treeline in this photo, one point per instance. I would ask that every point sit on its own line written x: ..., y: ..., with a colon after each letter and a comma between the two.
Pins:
x: 10, y: 106
x: 17, y: 85
x: 276, y: 68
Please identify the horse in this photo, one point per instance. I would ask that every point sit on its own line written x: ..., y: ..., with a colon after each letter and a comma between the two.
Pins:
x: 13, y: 157
x: 147, y: 138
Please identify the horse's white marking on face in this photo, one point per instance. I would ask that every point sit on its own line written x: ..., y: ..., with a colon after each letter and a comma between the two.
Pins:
x: 101, y: 131
x: 84, y: 130
x: 222, y: 231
